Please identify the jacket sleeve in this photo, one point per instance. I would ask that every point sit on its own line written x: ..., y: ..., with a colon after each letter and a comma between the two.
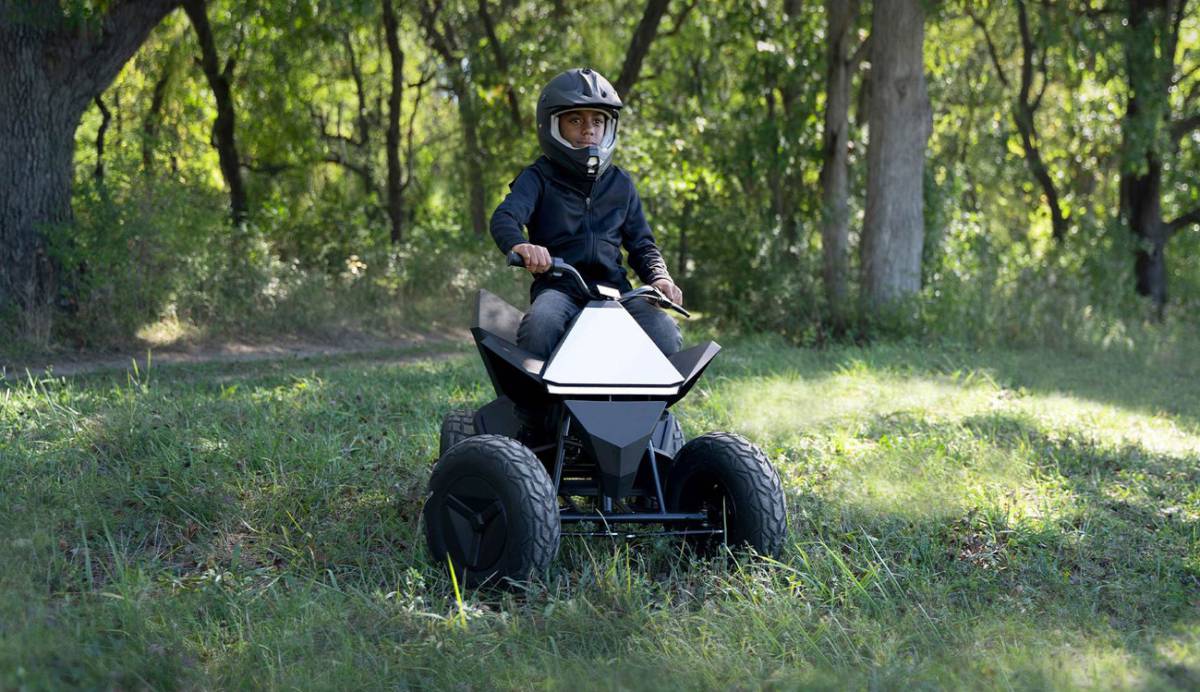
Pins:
x: 644, y: 255
x: 514, y: 212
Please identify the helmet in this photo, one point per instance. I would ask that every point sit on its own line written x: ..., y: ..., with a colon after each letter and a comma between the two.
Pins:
x: 573, y: 90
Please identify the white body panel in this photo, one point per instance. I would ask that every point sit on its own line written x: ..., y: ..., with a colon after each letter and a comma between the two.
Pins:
x: 606, y: 348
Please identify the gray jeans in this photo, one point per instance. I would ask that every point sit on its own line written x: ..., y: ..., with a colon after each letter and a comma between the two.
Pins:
x: 546, y: 321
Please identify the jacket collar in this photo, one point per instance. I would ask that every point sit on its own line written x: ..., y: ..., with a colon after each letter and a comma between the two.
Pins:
x: 568, y: 178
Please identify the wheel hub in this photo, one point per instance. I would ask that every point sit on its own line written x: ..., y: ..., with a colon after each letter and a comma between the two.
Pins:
x: 478, y: 523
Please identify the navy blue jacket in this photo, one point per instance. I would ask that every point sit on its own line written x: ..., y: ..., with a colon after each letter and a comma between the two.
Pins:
x: 585, y: 223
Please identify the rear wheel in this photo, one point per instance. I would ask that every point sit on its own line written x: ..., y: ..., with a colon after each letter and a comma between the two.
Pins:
x: 491, y: 513
x: 733, y: 481
x: 457, y: 426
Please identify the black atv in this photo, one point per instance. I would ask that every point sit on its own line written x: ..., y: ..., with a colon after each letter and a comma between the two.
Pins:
x: 585, y: 439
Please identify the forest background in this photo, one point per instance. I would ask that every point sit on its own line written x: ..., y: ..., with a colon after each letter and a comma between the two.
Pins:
x: 238, y: 167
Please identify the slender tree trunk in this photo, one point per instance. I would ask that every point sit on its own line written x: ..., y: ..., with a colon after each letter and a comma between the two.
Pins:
x: 900, y: 123
x: 153, y: 118
x: 395, y: 189
x: 1024, y: 110
x: 639, y: 46
x: 105, y: 119
x: 1149, y: 56
x: 52, y: 71
x: 225, y: 125
x: 835, y: 168
x: 469, y: 114
x: 1142, y: 194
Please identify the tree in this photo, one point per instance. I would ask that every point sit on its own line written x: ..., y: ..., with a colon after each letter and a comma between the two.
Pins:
x: 225, y: 126
x: 835, y: 182
x: 900, y: 123
x: 446, y: 42
x: 639, y: 46
x: 1025, y: 107
x: 55, y: 63
x: 1149, y: 134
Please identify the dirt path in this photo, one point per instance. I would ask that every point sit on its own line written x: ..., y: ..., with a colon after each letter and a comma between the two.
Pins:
x: 285, y: 348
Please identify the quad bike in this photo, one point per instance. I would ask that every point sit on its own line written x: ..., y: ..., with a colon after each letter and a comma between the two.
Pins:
x: 585, y: 439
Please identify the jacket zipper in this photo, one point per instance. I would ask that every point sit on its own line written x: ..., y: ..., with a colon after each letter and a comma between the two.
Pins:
x: 587, y: 228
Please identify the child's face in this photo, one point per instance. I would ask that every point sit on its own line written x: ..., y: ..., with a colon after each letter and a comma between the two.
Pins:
x: 582, y: 128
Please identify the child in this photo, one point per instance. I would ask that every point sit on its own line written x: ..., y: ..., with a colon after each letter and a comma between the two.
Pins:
x: 580, y: 207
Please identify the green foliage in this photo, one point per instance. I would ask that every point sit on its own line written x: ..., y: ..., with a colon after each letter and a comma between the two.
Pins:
x: 127, y: 256
x: 722, y: 134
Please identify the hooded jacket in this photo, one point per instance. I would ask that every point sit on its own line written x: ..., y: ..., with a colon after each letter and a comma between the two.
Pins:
x: 585, y: 223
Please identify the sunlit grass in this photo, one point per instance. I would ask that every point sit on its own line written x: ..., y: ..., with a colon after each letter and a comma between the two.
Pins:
x: 958, y: 519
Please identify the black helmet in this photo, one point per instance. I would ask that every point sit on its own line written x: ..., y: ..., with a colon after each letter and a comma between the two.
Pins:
x: 573, y: 90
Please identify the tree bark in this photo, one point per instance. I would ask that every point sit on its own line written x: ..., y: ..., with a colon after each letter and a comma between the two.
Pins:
x: 900, y: 123
x: 395, y: 189
x: 1024, y: 111
x: 1027, y: 105
x: 152, y: 120
x: 224, y: 127
x: 639, y: 46
x: 105, y: 119
x: 469, y: 115
x: 835, y: 167
x: 54, y: 68
x: 1150, y: 62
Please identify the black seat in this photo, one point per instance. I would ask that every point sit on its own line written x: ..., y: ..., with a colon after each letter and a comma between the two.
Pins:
x: 494, y: 314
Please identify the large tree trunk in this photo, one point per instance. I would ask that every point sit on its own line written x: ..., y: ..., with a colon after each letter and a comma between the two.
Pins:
x: 900, y: 123
x: 835, y: 181
x: 225, y: 125
x: 53, y: 67
x: 37, y: 144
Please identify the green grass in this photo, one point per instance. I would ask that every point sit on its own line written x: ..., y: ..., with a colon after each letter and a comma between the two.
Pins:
x: 959, y: 519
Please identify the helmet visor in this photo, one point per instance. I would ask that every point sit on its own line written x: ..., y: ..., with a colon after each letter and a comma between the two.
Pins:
x: 579, y: 128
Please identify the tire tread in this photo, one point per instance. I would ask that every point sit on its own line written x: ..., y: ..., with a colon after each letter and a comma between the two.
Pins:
x: 538, y: 507
x: 759, y: 475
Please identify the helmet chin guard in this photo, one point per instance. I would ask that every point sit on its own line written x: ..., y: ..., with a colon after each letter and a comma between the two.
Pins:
x: 579, y: 88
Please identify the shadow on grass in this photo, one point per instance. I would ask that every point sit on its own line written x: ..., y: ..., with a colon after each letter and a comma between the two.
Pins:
x: 1120, y: 556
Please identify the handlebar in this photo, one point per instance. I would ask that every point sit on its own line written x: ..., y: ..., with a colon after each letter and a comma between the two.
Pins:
x: 558, y: 267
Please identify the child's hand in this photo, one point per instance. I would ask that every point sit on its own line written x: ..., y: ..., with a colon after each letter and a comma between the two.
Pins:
x: 537, y: 258
x: 670, y: 290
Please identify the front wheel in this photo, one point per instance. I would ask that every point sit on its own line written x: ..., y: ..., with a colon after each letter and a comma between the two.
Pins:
x: 491, y: 514
x: 732, y: 480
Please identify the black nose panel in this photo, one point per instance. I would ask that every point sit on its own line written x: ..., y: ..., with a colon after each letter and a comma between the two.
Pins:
x: 617, y: 434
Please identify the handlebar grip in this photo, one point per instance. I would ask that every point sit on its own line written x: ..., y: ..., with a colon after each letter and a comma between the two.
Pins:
x: 515, y: 259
